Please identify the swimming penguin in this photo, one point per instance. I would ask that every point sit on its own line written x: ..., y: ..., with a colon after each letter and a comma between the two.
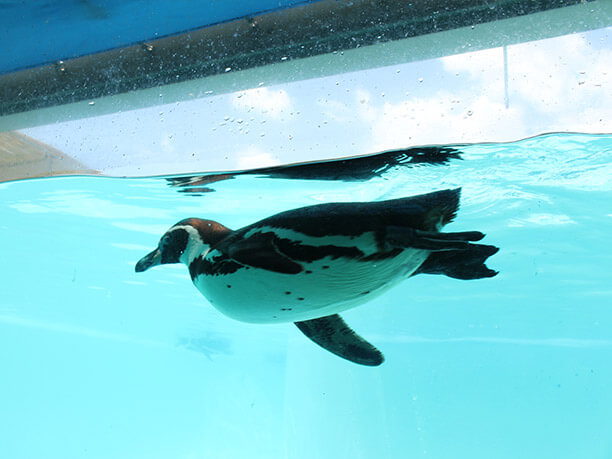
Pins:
x: 309, y: 264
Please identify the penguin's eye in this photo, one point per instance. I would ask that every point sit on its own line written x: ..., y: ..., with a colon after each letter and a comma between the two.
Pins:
x: 164, y: 241
x: 173, y: 245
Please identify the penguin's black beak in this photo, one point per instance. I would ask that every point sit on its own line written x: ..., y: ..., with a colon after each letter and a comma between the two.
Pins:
x: 148, y: 261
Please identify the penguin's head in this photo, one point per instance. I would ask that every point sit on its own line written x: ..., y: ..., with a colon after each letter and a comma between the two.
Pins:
x: 183, y: 242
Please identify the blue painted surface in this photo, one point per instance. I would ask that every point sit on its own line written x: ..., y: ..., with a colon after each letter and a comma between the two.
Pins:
x: 38, y: 32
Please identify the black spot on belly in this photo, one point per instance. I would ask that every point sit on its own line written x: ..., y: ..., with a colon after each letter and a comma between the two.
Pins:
x: 366, y: 292
x: 287, y: 293
x: 300, y: 299
x: 308, y: 272
x: 229, y: 286
x: 286, y: 309
x: 325, y: 267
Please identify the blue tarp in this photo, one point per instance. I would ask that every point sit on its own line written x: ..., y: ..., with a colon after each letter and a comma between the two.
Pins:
x: 37, y: 32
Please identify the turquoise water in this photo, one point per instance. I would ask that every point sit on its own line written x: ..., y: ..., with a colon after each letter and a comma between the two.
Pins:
x: 98, y: 361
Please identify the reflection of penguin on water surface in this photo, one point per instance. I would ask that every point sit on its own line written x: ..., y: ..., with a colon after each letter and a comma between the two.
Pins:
x: 307, y: 265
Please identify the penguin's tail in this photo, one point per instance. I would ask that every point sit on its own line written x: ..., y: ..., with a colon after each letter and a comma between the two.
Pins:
x: 463, y: 263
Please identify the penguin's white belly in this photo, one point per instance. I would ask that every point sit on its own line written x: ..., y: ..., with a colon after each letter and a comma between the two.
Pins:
x: 326, y: 286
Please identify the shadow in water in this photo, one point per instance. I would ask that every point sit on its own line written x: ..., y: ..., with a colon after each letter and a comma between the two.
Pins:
x: 208, y: 344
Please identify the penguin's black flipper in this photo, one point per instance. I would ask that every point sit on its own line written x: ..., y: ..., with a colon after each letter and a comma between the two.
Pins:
x: 333, y: 334
x: 261, y: 251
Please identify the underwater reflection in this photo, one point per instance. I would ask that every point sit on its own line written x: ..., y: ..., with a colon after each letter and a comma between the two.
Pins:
x: 354, y: 169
